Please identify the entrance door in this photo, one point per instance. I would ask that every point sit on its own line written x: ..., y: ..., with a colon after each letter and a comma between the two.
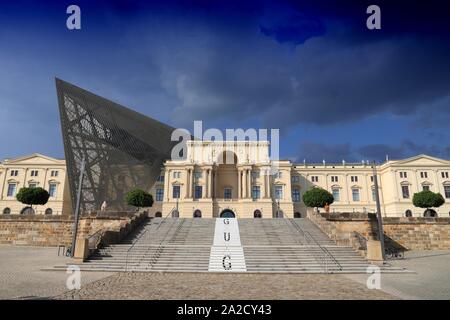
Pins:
x: 227, y: 213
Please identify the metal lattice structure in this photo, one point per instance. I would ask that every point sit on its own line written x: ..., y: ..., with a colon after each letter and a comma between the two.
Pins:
x: 123, y: 149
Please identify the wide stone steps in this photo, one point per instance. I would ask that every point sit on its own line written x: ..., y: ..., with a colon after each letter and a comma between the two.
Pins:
x: 262, y: 245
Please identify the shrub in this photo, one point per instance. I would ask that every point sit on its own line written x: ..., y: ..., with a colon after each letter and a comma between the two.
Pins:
x: 33, y: 196
x: 428, y: 199
x: 139, y: 198
x: 317, y: 198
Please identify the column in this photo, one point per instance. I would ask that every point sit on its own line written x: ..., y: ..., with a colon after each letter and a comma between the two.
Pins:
x: 186, y: 194
x: 215, y: 183
x: 205, y: 175
x: 166, y: 184
x: 239, y: 191
x: 191, y: 182
x: 249, y: 180
x: 244, y: 180
x: 209, y: 182
x: 263, y: 184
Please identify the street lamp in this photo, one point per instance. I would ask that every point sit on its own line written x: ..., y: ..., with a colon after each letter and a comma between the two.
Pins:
x: 379, y: 218
x: 77, y: 207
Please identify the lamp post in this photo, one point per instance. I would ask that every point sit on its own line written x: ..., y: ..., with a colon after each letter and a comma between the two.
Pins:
x: 379, y: 218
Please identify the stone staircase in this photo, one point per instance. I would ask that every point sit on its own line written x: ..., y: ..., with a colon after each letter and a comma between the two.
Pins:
x: 265, y: 245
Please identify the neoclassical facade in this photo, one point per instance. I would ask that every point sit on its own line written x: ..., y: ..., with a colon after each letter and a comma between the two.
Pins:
x: 239, y: 179
x: 35, y: 170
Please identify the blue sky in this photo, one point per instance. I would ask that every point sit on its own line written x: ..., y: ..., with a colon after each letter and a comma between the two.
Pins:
x: 335, y: 89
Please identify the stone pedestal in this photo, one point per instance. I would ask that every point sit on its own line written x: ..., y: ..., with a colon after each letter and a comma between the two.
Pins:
x: 374, y: 253
x: 81, y: 249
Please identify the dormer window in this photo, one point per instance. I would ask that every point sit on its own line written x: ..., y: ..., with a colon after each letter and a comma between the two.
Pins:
x: 424, y: 175
x: 14, y: 173
x: 34, y: 173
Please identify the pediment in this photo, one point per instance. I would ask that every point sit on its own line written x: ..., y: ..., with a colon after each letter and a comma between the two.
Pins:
x: 423, y: 160
x: 34, y: 159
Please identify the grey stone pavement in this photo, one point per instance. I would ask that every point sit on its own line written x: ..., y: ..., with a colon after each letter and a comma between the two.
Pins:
x: 21, y: 276
x: 431, y: 279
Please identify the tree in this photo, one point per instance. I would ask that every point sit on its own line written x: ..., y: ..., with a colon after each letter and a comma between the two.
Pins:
x: 33, y: 196
x: 427, y: 199
x: 139, y: 198
x: 317, y: 198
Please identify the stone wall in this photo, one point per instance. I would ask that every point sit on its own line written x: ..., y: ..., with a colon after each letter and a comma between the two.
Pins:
x: 413, y: 233
x: 41, y: 230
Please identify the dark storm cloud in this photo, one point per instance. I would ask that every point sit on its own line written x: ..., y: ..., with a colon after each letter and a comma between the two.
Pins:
x: 334, y: 153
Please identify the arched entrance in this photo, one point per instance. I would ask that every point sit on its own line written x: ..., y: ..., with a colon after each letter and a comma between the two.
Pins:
x: 226, y: 183
x: 227, y: 213
x: 257, y: 214
x: 27, y: 210
x: 297, y: 215
x: 197, y: 214
x: 158, y: 215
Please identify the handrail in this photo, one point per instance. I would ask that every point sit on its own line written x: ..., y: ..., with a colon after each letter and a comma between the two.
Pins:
x: 159, y: 249
x: 140, y: 237
x: 361, y: 239
x: 99, y: 231
x: 324, y: 250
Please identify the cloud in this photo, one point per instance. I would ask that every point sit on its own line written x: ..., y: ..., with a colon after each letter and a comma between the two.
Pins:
x: 335, y: 153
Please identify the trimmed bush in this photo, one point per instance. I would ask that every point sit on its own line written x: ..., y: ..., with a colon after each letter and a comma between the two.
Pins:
x: 428, y: 199
x: 33, y: 196
x: 139, y: 198
x: 317, y: 198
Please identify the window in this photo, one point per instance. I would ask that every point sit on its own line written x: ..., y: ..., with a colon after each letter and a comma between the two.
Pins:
x: 371, y: 178
x: 336, y: 194
x: 408, y: 213
x: 354, y: 178
x: 257, y: 214
x: 255, y: 174
x: 295, y: 179
x: 334, y: 179
x: 52, y: 190
x: 278, y: 175
x: 14, y: 173
x: 444, y: 175
x: 54, y: 173
x: 374, y: 195
x: 198, y: 192
x: 424, y: 175
x: 355, y: 194
x: 405, y: 192
x: 256, y: 192
x: 34, y: 173
x: 159, y: 194
x: 403, y: 175
x: 314, y: 178
x: 160, y: 178
x: 426, y: 187
x: 447, y: 192
x: 48, y: 211
x: 227, y: 193
x: 278, y: 192
x: 32, y: 185
x: 176, y: 192
x: 7, y: 211
x: 176, y: 174
x: 11, y: 189
x: 296, y: 195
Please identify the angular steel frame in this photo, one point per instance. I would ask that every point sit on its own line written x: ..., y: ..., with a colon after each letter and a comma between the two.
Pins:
x: 123, y: 149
